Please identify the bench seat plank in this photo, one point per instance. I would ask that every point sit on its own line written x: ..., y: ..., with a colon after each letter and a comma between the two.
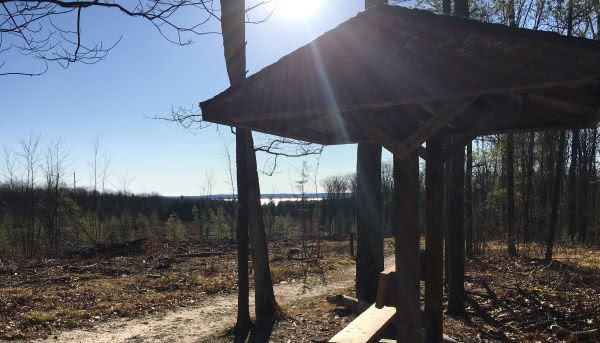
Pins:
x: 366, y: 327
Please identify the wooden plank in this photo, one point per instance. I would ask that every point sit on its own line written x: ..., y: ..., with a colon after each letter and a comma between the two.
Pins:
x: 301, y: 133
x: 386, y: 288
x: 387, y: 284
x: 216, y: 113
x: 366, y: 327
x: 407, y: 241
x: 534, y: 118
x: 459, y: 141
x: 445, y: 339
x: 434, y: 240
x: 565, y: 99
x: 318, y: 122
x: 282, y: 127
x: 556, y: 115
x: 433, y: 125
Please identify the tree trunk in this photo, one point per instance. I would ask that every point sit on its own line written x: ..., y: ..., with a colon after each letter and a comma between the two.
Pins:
x: 368, y: 208
x: 555, y: 197
x: 434, y: 240
x: 266, y: 307
x: 243, y: 322
x: 369, y: 226
x: 591, y: 176
x: 446, y: 224
x: 528, y: 190
x: 583, y: 173
x: 406, y: 233
x: 446, y: 7
x: 510, y: 194
x: 234, y: 44
x: 461, y: 8
x: 469, y: 201
x: 456, y: 235
x: 545, y: 184
x: 572, y: 187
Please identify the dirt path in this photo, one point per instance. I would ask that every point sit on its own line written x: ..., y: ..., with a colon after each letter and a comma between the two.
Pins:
x: 211, y: 316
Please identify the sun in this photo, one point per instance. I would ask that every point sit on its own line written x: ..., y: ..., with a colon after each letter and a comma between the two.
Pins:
x: 298, y: 9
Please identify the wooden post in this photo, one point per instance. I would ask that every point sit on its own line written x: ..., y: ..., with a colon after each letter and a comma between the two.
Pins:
x: 456, y: 236
x: 406, y: 233
x: 434, y: 240
x: 369, y: 225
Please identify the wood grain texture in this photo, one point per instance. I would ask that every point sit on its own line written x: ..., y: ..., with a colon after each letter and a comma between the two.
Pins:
x: 366, y: 327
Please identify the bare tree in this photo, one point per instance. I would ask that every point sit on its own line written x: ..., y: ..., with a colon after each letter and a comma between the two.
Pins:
x: 510, y: 195
x: 9, y: 170
x: 99, y: 166
x: 230, y: 181
x: 277, y: 147
x: 30, y: 160
x: 54, y: 169
x: 555, y: 197
x: 53, y: 31
x: 124, y: 181
x: 336, y: 188
x: 209, y: 178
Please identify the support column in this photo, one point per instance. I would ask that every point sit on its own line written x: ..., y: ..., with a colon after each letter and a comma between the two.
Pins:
x: 406, y: 233
x: 434, y: 240
x: 369, y: 224
x: 456, y: 236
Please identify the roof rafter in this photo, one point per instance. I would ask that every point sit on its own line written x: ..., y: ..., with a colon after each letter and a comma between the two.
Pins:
x: 475, y: 130
x: 564, y: 99
x: 433, y: 125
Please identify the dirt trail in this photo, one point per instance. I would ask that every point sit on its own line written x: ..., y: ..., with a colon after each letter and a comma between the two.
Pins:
x: 211, y: 316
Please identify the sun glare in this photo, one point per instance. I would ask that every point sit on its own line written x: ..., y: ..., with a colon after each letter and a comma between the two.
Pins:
x: 299, y: 9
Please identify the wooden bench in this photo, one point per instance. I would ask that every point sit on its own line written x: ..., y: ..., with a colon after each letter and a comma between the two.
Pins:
x: 387, y: 284
x: 367, y: 326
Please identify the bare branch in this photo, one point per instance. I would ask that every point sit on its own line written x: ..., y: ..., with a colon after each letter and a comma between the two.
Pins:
x: 27, y: 26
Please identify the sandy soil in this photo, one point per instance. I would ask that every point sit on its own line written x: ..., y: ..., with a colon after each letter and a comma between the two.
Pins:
x: 212, y: 316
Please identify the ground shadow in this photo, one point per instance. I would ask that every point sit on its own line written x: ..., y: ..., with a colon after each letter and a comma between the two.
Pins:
x: 261, y: 333
x: 240, y: 336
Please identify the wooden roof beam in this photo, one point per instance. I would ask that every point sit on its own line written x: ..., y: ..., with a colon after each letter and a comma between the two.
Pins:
x: 279, y: 127
x: 433, y: 125
x: 551, y: 113
x: 378, y: 134
x: 462, y: 139
x: 381, y: 136
x: 315, y: 137
x: 565, y: 100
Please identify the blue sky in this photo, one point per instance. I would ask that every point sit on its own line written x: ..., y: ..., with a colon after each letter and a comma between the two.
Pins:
x: 146, y: 75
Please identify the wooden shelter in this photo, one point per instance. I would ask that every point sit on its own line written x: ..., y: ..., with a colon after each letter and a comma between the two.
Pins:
x: 401, y: 77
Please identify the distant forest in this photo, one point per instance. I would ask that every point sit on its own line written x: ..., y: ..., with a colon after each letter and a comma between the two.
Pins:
x: 40, y: 215
x: 44, y: 214
x: 52, y: 221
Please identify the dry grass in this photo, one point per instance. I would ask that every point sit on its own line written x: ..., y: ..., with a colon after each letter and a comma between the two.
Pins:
x: 521, y: 297
x: 578, y: 256
x: 39, y: 298
x: 568, y: 292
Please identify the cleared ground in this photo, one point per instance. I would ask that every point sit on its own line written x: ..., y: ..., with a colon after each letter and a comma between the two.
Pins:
x: 192, y: 298
x: 40, y: 299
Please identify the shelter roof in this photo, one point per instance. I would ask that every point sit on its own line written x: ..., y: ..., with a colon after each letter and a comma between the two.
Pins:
x: 396, y: 76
